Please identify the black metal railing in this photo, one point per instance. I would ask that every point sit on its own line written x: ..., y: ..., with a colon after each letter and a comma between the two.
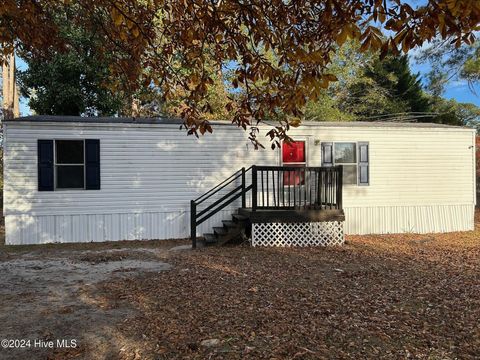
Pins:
x: 291, y: 187
x: 213, y: 205
x: 274, y: 188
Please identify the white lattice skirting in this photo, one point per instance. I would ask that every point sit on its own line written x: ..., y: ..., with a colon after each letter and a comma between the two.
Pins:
x: 324, y: 233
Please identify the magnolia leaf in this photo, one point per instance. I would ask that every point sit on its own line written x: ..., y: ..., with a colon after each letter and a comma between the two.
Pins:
x: 342, y: 36
x: 117, y: 17
x: 295, y: 122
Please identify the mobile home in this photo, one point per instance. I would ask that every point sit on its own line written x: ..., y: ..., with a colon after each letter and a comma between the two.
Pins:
x: 74, y: 179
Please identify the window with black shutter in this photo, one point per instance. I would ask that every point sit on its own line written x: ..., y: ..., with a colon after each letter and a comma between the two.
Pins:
x: 68, y: 164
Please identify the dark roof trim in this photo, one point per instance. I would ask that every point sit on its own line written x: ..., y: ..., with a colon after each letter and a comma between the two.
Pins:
x: 96, y: 120
x: 176, y: 121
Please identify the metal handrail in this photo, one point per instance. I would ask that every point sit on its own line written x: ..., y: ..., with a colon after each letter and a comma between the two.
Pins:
x: 318, y: 188
x: 218, y: 186
x: 196, y: 218
x: 235, y: 176
x: 297, y: 187
x: 224, y: 204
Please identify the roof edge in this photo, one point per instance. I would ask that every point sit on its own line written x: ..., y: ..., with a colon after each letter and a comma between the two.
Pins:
x: 177, y: 121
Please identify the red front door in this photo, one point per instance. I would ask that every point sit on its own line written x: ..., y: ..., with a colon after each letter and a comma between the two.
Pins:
x: 293, y: 154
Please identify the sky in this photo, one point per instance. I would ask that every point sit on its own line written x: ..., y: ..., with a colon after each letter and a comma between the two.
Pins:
x: 24, y: 109
x: 455, y: 89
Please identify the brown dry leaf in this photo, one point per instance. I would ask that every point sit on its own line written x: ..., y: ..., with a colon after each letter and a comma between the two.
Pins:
x: 397, y: 296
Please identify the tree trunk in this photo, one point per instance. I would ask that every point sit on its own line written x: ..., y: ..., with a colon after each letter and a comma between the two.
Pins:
x: 10, y: 91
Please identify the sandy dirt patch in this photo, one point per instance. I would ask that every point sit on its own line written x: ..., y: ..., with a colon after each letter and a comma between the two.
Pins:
x: 50, y: 293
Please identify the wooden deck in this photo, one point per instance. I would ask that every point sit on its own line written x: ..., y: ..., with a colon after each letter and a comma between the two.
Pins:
x: 288, y: 195
x: 292, y: 216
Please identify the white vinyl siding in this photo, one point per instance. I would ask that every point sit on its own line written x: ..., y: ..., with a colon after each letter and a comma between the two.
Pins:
x: 151, y: 172
x: 142, y: 168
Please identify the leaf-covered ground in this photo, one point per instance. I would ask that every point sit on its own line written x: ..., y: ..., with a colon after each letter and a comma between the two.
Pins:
x: 390, y: 297
x: 395, y: 296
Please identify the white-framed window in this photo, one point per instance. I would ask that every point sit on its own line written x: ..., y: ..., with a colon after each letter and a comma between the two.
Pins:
x: 69, y: 164
x: 353, y: 156
x: 345, y: 153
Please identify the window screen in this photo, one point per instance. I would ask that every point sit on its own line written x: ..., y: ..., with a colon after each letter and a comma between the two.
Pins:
x: 70, y: 177
x: 69, y: 164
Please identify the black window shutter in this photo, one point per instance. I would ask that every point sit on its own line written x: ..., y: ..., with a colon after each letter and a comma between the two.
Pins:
x: 45, y: 165
x: 327, y: 154
x: 363, y: 164
x: 92, y: 164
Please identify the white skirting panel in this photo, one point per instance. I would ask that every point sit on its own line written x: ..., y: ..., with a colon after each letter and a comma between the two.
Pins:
x: 409, y: 219
x: 323, y: 233
x: 42, y: 229
x: 26, y: 229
